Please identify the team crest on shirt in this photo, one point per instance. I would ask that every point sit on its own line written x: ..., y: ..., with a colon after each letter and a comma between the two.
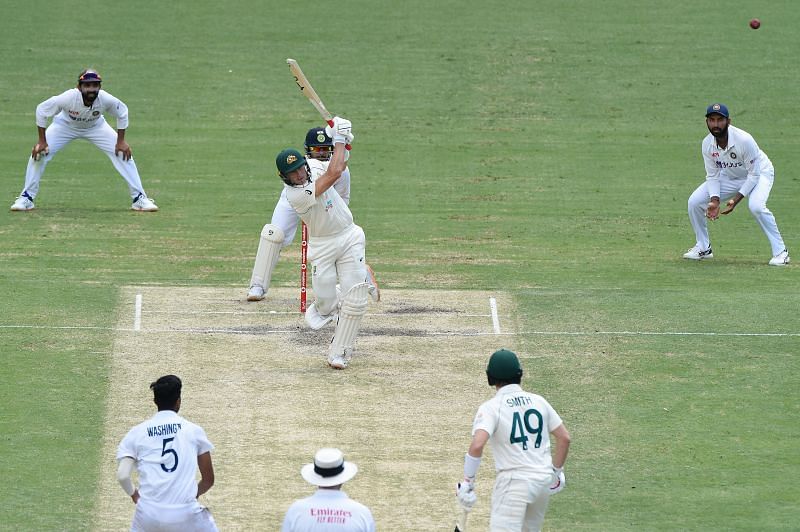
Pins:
x: 733, y: 155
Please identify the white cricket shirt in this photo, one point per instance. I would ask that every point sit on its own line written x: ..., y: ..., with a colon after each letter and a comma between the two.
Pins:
x: 328, y: 511
x: 326, y: 215
x: 741, y: 160
x: 69, y: 110
x: 166, y: 448
x: 519, y: 424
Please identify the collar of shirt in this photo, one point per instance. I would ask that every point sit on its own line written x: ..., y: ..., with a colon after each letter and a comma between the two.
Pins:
x: 732, y: 138
x: 509, y: 388
x: 330, y: 494
x: 165, y: 413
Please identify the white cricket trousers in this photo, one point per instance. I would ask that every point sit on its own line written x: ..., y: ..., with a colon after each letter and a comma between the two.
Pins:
x: 151, y: 517
x: 340, y: 257
x: 756, y: 202
x: 519, y: 501
x: 58, y: 135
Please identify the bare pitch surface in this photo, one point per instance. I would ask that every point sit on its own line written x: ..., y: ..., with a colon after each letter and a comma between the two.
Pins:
x: 255, y: 378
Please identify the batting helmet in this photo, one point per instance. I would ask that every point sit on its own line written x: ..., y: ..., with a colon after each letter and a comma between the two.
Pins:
x: 287, y: 161
x: 89, y: 76
x: 503, y: 367
x: 318, y: 144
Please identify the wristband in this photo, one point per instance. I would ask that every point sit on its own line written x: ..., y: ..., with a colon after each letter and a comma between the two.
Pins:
x: 471, y: 465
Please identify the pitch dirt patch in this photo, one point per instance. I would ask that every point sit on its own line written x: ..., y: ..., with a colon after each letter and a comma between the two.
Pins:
x: 255, y: 378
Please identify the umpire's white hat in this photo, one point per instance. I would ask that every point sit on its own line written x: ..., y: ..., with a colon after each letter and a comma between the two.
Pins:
x: 329, y: 469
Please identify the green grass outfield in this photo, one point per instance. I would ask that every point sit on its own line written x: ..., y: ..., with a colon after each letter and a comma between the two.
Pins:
x: 544, y: 148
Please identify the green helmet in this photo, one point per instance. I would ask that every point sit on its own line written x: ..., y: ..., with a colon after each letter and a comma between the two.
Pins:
x: 504, y: 366
x: 287, y: 161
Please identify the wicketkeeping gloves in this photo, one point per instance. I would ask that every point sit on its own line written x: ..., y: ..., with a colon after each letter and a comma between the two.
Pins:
x: 465, y: 491
x: 560, y: 482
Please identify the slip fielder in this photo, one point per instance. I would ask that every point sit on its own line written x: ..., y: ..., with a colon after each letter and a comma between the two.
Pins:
x: 78, y: 114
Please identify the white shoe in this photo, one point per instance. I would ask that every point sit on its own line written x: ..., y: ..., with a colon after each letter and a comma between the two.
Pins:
x: 23, y: 203
x: 315, y: 320
x: 256, y: 293
x: 781, y: 259
x: 340, y: 360
x: 144, y: 204
x: 374, y: 289
x: 696, y: 253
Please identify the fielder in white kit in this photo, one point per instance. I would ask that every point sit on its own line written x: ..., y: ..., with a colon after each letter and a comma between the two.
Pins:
x: 735, y: 168
x: 517, y: 425
x: 79, y: 114
x: 336, y: 245
x: 167, y: 450
x: 281, y: 230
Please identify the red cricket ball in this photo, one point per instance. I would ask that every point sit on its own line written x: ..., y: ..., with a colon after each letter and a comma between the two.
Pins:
x: 755, y: 23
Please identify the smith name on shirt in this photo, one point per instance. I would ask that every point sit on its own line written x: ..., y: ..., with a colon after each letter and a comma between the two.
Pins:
x: 512, y: 402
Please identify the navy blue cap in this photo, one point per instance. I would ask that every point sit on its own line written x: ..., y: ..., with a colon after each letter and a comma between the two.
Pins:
x: 89, y: 75
x: 717, y: 109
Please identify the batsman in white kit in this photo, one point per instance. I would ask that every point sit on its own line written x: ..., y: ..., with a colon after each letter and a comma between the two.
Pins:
x: 79, y: 114
x: 517, y: 424
x: 167, y: 450
x: 336, y: 245
x: 281, y: 230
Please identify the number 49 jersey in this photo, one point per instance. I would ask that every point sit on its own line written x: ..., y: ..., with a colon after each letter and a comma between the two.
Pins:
x: 519, y: 424
x: 166, y: 448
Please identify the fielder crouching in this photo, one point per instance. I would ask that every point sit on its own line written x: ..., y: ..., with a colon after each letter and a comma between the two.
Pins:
x: 336, y: 245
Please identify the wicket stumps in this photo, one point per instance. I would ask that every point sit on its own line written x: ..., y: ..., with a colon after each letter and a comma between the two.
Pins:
x: 303, y: 266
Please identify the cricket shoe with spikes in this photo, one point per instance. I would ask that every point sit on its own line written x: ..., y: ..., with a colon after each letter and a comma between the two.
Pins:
x: 696, y: 253
x: 23, y: 203
x: 317, y: 321
x: 781, y: 259
x: 256, y: 293
x: 340, y: 359
x: 143, y: 204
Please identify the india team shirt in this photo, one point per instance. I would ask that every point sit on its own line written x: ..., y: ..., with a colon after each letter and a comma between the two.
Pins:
x: 325, y: 215
x: 69, y: 110
x: 741, y: 160
x: 166, y: 448
x: 328, y: 511
x: 519, y: 424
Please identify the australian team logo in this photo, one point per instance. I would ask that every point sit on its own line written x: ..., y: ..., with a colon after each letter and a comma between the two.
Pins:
x: 290, y: 159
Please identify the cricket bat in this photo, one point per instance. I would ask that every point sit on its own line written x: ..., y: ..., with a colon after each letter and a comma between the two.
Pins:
x: 309, y: 92
x: 461, y: 520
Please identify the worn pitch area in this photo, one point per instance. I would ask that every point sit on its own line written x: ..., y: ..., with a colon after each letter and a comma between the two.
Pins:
x: 255, y: 378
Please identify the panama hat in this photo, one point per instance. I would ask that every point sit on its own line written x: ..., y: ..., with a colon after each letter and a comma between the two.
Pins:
x: 329, y: 469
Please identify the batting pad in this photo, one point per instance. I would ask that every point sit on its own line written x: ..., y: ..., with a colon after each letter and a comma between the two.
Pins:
x: 269, y: 249
x: 353, y: 308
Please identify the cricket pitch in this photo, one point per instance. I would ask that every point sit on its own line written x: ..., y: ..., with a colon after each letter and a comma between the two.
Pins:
x: 256, y: 379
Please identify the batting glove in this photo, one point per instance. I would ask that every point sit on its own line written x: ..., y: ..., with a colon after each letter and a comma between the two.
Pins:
x: 560, y: 481
x: 465, y: 491
x: 341, y: 131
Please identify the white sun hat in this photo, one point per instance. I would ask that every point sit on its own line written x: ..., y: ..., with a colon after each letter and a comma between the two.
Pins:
x: 329, y: 469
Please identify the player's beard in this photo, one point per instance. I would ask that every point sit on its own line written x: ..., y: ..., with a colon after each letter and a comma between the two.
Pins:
x: 719, y: 132
x: 89, y: 97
